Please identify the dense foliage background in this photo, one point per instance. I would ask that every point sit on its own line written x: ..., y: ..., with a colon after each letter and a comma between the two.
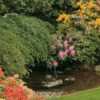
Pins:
x: 48, y: 35
x: 26, y: 32
x: 45, y: 9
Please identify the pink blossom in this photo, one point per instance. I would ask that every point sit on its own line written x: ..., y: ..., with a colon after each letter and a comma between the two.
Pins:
x: 73, y: 53
x: 65, y: 53
x: 71, y: 48
x: 61, y: 54
x: 55, y: 63
x: 65, y: 44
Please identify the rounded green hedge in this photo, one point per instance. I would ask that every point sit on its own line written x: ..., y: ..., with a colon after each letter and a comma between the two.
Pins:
x: 23, y: 41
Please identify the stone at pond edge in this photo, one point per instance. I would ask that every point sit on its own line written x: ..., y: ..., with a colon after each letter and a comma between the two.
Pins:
x: 52, y: 84
x: 69, y: 79
x: 59, y: 82
x: 97, y: 68
x: 55, y: 83
x: 49, y: 78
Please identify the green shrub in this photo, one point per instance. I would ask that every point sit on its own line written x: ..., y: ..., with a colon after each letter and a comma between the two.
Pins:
x: 45, y: 9
x: 87, y: 40
x: 3, y: 8
x: 10, y: 53
x: 23, y: 41
x: 17, y: 6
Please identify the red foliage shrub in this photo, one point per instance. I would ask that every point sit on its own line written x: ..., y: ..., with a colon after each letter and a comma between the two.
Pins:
x: 12, y: 88
x: 14, y: 92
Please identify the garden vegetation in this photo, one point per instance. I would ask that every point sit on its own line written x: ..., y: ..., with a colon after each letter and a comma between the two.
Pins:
x: 49, y: 32
x: 23, y: 41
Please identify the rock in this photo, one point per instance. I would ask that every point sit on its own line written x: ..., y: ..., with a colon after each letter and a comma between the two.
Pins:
x: 10, y: 14
x: 49, y: 78
x: 53, y: 84
x: 97, y: 68
x: 59, y: 82
x: 69, y: 79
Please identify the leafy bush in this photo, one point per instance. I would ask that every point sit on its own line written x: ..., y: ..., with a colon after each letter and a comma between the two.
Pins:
x: 23, y: 41
x: 84, y: 27
x: 3, y: 8
x: 41, y: 8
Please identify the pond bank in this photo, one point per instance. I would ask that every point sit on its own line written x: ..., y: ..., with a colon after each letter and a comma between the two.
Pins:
x: 84, y: 80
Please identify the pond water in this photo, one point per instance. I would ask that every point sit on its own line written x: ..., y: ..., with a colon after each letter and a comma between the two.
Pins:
x: 84, y: 79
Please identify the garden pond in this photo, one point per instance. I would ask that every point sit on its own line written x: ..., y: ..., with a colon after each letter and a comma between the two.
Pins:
x: 84, y: 80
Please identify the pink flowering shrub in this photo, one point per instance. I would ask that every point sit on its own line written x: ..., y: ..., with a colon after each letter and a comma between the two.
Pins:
x: 63, y: 49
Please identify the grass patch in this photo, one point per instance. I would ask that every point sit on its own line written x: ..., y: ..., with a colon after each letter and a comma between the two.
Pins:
x: 93, y: 94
